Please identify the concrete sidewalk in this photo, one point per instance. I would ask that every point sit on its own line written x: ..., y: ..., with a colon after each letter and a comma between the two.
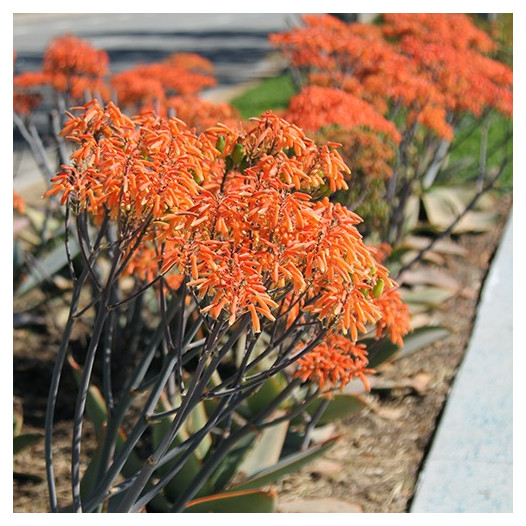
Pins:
x: 470, y: 465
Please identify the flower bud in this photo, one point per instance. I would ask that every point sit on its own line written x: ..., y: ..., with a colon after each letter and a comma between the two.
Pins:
x: 220, y: 144
x: 378, y: 288
x: 238, y: 153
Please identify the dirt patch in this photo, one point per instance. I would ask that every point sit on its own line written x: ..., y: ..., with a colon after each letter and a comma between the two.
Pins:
x: 375, y: 465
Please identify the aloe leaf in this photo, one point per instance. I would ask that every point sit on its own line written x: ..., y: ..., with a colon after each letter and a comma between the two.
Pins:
x: 196, y: 420
x: 18, y: 421
x: 476, y: 221
x: 266, y: 450
x: 46, y: 267
x: 235, y: 502
x: 340, y: 406
x: 442, y: 246
x: 285, y: 466
x: 430, y: 296
x: 381, y: 351
x: 444, y: 204
x: 423, y: 337
x: 429, y: 276
x: 228, y: 468
x: 20, y: 442
x: 268, y: 391
x: 412, y: 211
x: 18, y: 255
x: 190, y: 468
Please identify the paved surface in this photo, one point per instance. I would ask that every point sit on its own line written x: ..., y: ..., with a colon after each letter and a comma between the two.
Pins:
x: 470, y: 464
x: 237, y: 44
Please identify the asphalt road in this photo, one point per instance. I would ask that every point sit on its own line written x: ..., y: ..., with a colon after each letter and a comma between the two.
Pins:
x: 237, y: 44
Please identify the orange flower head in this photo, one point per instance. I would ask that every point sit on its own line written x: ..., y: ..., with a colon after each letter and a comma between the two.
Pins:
x: 152, y: 86
x: 73, y: 65
x: 334, y: 363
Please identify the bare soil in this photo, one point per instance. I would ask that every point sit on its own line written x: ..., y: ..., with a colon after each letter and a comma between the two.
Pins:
x: 374, y: 466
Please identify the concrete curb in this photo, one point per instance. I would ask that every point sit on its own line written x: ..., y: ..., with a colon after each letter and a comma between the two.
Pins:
x: 470, y: 465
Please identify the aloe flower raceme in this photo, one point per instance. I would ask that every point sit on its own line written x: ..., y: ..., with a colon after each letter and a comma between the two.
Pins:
x: 74, y: 66
x: 71, y: 66
x: 26, y: 91
x: 146, y: 85
x: 252, y: 276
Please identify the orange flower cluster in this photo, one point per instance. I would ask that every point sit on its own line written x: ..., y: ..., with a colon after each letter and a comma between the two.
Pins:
x: 179, y: 74
x: 436, y: 64
x: 395, y: 318
x: 451, y: 51
x: 470, y: 82
x: 134, y: 169
x: 26, y: 91
x: 455, y: 30
x: 334, y: 363
x: 71, y: 66
x: 191, y: 62
x: 74, y: 66
x: 316, y: 107
x: 229, y: 210
x: 356, y: 58
x: 135, y: 90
